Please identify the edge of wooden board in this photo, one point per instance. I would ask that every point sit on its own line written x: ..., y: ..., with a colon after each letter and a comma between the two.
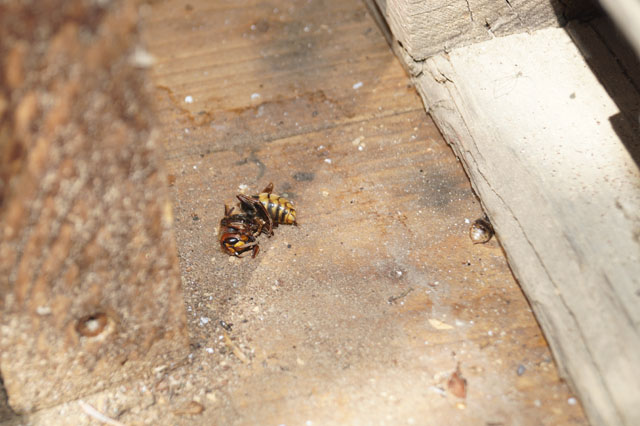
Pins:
x: 531, y: 125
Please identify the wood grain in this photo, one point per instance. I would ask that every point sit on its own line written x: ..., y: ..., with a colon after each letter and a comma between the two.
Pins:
x: 333, y: 316
x: 424, y: 28
x: 362, y: 313
x: 539, y: 137
x: 89, y: 284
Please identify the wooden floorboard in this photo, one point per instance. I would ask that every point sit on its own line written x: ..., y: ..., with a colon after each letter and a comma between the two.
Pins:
x: 553, y: 154
x: 361, y: 314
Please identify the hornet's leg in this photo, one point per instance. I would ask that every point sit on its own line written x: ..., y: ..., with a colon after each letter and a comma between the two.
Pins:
x: 269, y: 188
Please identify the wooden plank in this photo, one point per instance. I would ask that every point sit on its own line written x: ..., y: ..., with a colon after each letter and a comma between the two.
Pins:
x: 89, y: 279
x: 424, y: 28
x: 361, y: 314
x: 532, y: 126
x: 307, y: 95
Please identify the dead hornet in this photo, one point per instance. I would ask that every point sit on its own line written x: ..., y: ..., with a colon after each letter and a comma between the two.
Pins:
x: 238, y: 233
x: 271, y: 208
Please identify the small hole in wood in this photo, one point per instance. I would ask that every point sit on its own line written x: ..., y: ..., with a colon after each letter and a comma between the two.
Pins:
x: 92, y: 325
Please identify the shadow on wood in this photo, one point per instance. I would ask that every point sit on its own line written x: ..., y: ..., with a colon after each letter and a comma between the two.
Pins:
x: 615, y: 64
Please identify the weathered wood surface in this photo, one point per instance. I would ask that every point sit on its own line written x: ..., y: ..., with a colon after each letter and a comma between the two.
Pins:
x: 361, y: 314
x: 544, y: 145
x: 89, y: 280
x: 427, y: 27
x: 306, y: 94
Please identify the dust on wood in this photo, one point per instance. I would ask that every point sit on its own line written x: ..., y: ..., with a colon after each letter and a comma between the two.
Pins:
x: 554, y: 158
x: 307, y: 95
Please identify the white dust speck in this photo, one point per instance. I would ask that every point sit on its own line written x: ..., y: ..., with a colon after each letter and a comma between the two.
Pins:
x: 188, y: 99
x: 327, y: 160
x: 204, y: 320
x: 209, y: 350
x: 43, y: 310
x: 357, y: 85
x: 572, y: 401
x: 186, y: 131
x: 466, y: 220
x: 255, y: 96
x: 438, y: 390
x: 141, y: 58
x: 439, y: 325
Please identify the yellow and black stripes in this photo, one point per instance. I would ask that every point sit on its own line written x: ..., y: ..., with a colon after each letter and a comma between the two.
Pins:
x: 279, y: 208
x: 261, y: 213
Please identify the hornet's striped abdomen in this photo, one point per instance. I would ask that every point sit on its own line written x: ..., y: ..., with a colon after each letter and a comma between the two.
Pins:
x: 279, y: 208
x: 270, y: 208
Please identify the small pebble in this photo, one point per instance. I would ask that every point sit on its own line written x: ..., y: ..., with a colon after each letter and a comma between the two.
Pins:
x: 521, y: 370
